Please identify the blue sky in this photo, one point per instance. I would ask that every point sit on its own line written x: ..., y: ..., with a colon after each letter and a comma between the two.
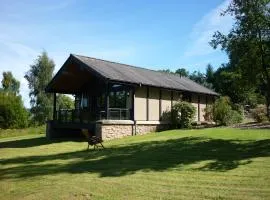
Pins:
x: 152, y: 34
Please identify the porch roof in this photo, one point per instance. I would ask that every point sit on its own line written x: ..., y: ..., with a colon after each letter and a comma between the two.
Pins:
x: 113, y: 71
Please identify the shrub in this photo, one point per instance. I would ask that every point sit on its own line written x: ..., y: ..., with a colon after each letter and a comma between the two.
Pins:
x: 221, y: 109
x: 12, y: 112
x: 208, y: 113
x: 182, y: 114
x: 259, y: 113
x: 223, y: 114
x: 233, y: 117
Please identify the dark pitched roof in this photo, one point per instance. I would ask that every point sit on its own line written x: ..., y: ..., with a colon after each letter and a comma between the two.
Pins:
x: 137, y: 75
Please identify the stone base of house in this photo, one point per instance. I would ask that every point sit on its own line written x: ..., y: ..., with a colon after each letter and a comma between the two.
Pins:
x: 111, y: 129
x: 107, y: 129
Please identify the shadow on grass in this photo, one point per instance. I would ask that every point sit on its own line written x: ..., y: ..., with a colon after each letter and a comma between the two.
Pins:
x: 33, y: 142
x: 222, y: 155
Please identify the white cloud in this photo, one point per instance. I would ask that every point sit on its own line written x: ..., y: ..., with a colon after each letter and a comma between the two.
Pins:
x: 16, y: 57
x: 204, y: 29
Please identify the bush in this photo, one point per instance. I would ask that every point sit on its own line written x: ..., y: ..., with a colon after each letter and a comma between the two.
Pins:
x: 223, y: 114
x: 12, y: 112
x: 233, y: 117
x: 259, y: 113
x: 182, y: 114
x: 208, y: 113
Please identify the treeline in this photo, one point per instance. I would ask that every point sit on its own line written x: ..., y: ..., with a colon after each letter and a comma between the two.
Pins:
x: 245, y: 79
x: 13, y: 114
x: 225, y: 82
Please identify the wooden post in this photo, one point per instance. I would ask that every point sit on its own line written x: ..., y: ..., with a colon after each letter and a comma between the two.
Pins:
x: 171, y: 105
x: 54, y: 106
x: 107, y: 106
x: 147, y: 103
x: 160, y: 106
x: 199, y: 108
x: 132, y: 113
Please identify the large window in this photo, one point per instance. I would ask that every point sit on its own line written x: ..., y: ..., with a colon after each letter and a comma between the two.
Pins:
x: 118, y: 99
x: 119, y: 96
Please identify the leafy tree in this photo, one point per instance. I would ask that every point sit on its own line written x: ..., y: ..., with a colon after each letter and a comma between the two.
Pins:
x: 182, y: 72
x: 200, y: 78
x: 12, y: 112
x: 38, y: 77
x: 223, y: 113
x: 9, y: 83
x: 228, y: 82
x: 64, y: 102
x: 209, y: 75
x: 165, y: 71
x: 248, y: 44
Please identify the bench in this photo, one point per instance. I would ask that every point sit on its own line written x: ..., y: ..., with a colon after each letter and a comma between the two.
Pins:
x: 92, y: 140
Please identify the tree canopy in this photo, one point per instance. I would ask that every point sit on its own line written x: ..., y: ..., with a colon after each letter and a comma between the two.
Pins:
x: 9, y: 83
x: 248, y: 46
x: 38, y: 76
x: 64, y: 102
x: 12, y: 111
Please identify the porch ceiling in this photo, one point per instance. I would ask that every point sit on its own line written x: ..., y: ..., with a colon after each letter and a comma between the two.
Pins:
x: 70, y: 79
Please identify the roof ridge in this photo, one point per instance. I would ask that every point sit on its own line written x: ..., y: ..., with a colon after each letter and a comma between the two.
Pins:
x: 128, y: 65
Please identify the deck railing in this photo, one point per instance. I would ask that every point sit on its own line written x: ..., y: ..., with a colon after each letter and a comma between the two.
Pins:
x: 83, y: 116
x: 116, y: 114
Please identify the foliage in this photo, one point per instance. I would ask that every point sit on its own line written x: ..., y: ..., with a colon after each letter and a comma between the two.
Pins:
x: 182, y: 72
x: 12, y: 112
x: 9, y: 83
x: 233, y: 117
x: 38, y: 77
x: 200, y: 78
x: 165, y: 71
x: 64, y: 102
x: 227, y: 82
x: 183, y: 114
x: 259, y: 113
x: 209, y: 74
x: 208, y: 113
x: 223, y: 114
x: 248, y: 45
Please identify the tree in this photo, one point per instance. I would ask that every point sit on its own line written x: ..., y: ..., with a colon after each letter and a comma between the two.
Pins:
x: 200, y: 78
x: 209, y: 74
x: 9, y: 83
x: 38, y: 77
x: 64, y: 102
x: 165, y: 71
x: 12, y: 112
x: 227, y: 82
x: 182, y: 72
x: 248, y: 44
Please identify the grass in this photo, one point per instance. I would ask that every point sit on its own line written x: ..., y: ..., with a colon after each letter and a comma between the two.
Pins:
x: 217, y: 163
x: 7, y: 133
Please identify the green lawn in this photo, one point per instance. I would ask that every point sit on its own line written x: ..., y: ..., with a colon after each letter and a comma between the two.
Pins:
x: 6, y: 133
x: 218, y: 163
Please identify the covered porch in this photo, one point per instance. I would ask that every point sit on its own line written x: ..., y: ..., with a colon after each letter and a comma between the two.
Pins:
x: 95, y: 97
